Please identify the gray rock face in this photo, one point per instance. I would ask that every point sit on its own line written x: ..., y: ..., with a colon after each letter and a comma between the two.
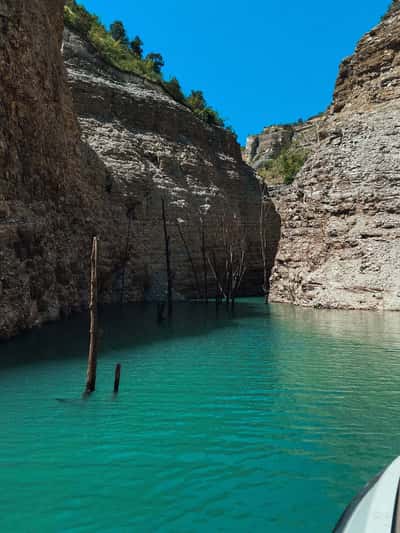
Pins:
x: 341, y: 218
x: 154, y: 147
x: 61, y: 182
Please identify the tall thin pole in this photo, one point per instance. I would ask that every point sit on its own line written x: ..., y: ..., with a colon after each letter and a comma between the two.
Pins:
x: 189, y: 255
x: 117, y: 378
x: 92, y: 359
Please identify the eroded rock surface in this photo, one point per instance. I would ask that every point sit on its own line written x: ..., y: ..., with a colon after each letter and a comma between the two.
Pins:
x: 50, y: 183
x: 63, y: 181
x: 341, y: 218
x: 154, y: 147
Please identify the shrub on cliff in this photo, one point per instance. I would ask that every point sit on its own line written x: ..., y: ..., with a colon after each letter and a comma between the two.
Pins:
x: 198, y: 104
x: 155, y: 61
x: 285, y: 166
x: 173, y: 87
x: 112, y: 50
x: 76, y: 17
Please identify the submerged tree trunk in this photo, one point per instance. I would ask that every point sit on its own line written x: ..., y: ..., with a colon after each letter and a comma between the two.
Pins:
x: 229, y: 271
x: 204, y: 255
x: 117, y: 378
x: 264, y: 240
x: 92, y: 358
x: 190, y: 258
x: 126, y: 256
x: 167, y: 259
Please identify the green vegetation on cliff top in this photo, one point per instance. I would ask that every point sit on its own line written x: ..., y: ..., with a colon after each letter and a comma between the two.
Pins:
x: 285, y: 166
x: 114, y: 47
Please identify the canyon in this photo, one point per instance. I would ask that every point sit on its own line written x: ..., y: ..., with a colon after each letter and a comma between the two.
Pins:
x: 86, y: 149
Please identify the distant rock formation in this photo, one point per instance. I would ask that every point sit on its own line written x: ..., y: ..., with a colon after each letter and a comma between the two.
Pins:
x: 261, y: 148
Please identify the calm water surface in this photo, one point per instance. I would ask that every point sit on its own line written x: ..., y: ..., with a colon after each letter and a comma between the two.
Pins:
x: 265, y: 421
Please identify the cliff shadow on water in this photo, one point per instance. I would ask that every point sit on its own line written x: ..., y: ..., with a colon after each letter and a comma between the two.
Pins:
x: 122, y: 328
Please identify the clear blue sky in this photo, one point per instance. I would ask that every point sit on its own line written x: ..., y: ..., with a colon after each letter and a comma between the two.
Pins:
x: 258, y: 62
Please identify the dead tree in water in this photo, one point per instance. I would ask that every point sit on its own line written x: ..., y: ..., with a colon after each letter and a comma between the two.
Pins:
x: 230, y: 270
x: 190, y: 258
x: 264, y: 209
x: 131, y: 215
x: 168, y: 259
x: 219, y: 284
x: 92, y: 359
x: 204, y: 256
x: 117, y: 378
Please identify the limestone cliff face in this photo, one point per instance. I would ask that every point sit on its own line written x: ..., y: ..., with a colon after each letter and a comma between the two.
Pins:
x: 341, y: 218
x: 58, y: 187
x: 154, y: 147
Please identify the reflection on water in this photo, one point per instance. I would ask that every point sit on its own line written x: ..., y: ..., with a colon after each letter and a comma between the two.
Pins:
x: 267, y: 420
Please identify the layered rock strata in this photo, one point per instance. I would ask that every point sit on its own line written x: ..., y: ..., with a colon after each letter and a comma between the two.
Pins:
x: 341, y: 218
x: 58, y: 187
x: 52, y: 196
x: 155, y: 147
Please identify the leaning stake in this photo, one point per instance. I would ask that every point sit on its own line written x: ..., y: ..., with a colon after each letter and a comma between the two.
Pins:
x: 117, y: 378
x: 92, y: 359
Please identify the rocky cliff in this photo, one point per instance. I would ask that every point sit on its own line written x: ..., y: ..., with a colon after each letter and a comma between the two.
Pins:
x: 341, y: 218
x: 155, y: 147
x: 268, y: 144
x: 62, y: 182
x: 52, y: 185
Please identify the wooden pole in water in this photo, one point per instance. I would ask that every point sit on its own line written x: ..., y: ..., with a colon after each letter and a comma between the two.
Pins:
x: 117, y: 378
x: 92, y: 359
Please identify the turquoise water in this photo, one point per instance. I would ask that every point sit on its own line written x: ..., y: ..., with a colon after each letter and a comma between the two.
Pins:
x: 265, y: 421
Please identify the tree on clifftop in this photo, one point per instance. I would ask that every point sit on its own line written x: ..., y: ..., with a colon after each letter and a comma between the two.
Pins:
x: 157, y: 62
x: 174, y: 88
x: 118, y: 32
x: 197, y: 101
x: 137, y: 47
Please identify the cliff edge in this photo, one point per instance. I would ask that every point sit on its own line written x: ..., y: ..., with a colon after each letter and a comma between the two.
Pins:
x: 341, y: 217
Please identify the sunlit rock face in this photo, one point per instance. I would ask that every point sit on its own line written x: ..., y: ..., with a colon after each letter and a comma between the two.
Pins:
x: 63, y: 180
x: 340, y: 243
x: 154, y: 147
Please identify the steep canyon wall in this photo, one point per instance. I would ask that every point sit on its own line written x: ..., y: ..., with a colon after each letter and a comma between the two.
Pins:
x: 341, y: 217
x: 63, y: 180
